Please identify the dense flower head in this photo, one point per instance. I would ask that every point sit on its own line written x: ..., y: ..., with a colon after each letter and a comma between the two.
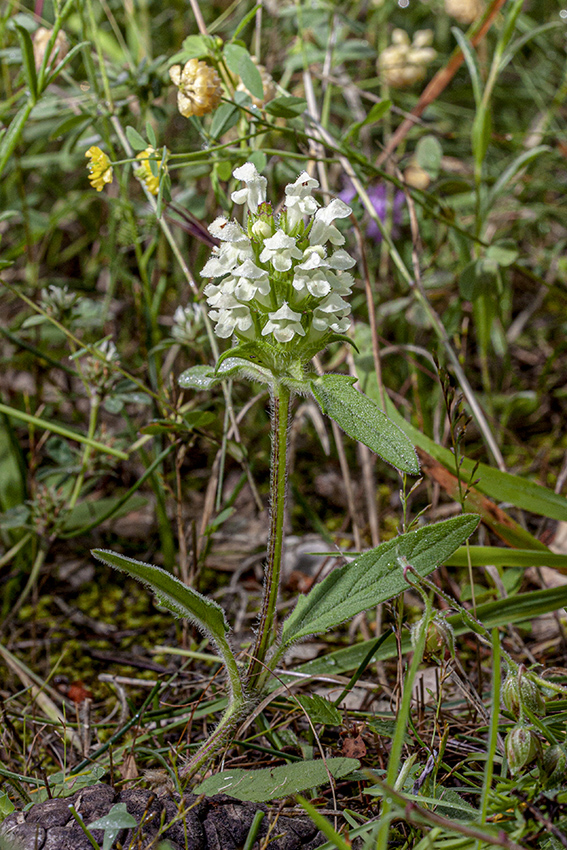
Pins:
x: 280, y: 281
x: 186, y: 323
x: 199, y: 87
x: 145, y: 174
x: 404, y: 63
x: 100, y: 169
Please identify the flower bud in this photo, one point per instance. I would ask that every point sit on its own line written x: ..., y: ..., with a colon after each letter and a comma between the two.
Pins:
x: 199, y: 87
x: 261, y: 229
x: 439, y: 637
x: 521, y: 746
x: 554, y: 765
x: 518, y: 690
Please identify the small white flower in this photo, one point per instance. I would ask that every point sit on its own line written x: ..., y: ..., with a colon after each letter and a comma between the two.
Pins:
x: 186, y: 321
x: 225, y: 258
x: 323, y: 230
x: 298, y: 200
x: 251, y: 281
x: 235, y: 318
x: 314, y: 258
x: 255, y: 191
x: 221, y: 297
x: 330, y: 310
x: 315, y: 282
x: 341, y: 283
x: 283, y: 324
x: 341, y: 260
x: 227, y: 231
x: 279, y: 250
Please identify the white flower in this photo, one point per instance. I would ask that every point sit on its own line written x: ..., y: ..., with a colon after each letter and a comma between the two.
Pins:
x: 283, y: 324
x: 225, y: 258
x: 279, y: 250
x: 237, y: 317
x: 186, y: 321
x: 251, y: 281
x: 341, y: 260
x: 298, y: 200
x: 322, y: 230
x: 315, y: 282
x: 255, y: 191
x: 222, y: 296
x: 227, y: 231
x: 314, y: 258
x: 331, y: 314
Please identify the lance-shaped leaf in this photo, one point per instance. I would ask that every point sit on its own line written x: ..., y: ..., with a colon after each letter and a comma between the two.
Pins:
x: 273, y: 783
x: 375, y: 577
x: 181, y: 600
x: 362, y: 419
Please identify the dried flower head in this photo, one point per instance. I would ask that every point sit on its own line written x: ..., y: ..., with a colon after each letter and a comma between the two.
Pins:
x: 464, y: 11
x: 40, y: 40
x: 99, y: 167
x: 150, y: 168
x: 281, y: 279
x: 404, y: 63
x: 199, y: 87
x: 268, y: 85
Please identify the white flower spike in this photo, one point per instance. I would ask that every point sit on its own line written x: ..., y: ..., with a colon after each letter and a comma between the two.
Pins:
x: 255, y: 192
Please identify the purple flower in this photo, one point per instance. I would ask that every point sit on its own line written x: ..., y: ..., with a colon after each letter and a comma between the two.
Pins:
x: 378, y: 199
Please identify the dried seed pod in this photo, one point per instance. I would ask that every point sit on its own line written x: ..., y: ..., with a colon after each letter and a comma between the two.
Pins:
x: 404, y: 63
x: 58, y: 52
x: 199, y: 87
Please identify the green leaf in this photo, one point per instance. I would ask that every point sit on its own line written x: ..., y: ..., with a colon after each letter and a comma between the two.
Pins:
x: 374, y: 577
x: 240, y: 63
x: 362, y: 419
x: 320, y: 710
x: 472, y: 65
x: 428, y: 154
x: 61, y: 785
x: 258, y: 786
x: 500, y: 556
x: 150, y: 133
x: 190, y: 420
x: 502, y: 612
x: 137, y: 141
x: 205, y: 377
x: 6, y: 806
x: 181, y: 600
x: 503, y: 253
x: 118, y: 818
x: 225, y: 117
x: 28, y: 60
x: 377, y: 112
x: 286, y: 106
x: 65, y: 61
x: 91, y: 511
x: 515, y: 166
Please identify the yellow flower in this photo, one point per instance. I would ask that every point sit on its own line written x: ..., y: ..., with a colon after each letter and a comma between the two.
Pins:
x: 199, y: 87
x: 99, y: 167
x: 145, y: 174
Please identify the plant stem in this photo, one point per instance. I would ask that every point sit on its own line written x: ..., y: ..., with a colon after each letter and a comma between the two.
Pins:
x: 232, y: 714
x: 400, y: 731
x: 93, y: 418
x: 278, y: 473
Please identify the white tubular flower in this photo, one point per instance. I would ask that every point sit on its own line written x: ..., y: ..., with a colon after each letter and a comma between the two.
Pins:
x: 314, y: 258
x: 341, y: 283
x: 251, y: 281
x: 341, y: 261
x: 279, y: 250
x: 255, y: 191
x: 298, y: 200
x: 323, y: 230
x: 221, y: 297
x: 237, y: 317
x: 283, y: 324
x: 227, y: 231
x: 331, y: 312
x: 314, y: 282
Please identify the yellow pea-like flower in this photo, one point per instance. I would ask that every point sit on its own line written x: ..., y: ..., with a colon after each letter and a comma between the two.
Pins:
x: 99, y: 167
x: 145, y: 174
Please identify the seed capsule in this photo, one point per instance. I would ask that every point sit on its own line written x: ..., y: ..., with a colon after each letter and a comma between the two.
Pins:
x: 521, y: 746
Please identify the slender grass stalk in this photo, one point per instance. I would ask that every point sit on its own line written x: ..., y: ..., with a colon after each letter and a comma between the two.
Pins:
x: 493, y: 731
x: 93, y: 418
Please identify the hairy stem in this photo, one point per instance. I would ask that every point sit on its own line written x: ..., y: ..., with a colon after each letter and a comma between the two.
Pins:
x: 267, y: 626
